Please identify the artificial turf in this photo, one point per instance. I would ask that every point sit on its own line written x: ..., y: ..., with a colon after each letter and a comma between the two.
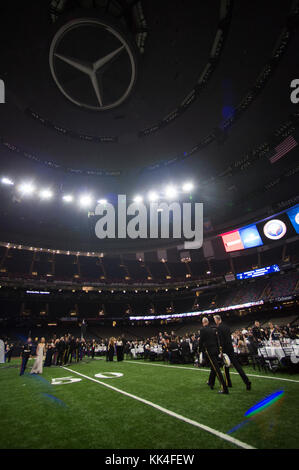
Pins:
x: 35, y: 414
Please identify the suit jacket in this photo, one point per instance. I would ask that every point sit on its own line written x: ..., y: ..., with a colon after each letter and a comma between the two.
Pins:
x: 208, y: 340
x: 258, y: 333
x: 185, y: 347
x: 173, y: 346
x: 225, y: 340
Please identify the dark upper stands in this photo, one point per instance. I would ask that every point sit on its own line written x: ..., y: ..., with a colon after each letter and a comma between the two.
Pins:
x: 34, y: 263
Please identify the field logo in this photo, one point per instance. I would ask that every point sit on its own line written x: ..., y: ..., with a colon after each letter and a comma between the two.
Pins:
x: 64, y: 380
x: 275, y: 229
x: 145, y: 224
x: 2, y: 92
x: 295, y: 93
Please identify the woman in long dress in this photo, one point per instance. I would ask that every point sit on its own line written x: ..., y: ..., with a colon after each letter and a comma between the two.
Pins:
x: 38, y: 363
x: 111, y: 349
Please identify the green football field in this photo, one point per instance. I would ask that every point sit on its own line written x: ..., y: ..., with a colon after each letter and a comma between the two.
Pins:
x: 147, y: 405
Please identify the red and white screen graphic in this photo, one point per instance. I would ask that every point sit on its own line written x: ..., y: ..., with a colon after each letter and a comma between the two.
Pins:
x: 232, y: 241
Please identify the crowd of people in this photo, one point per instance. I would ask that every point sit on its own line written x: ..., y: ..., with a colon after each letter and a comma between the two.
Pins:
x: 165, y: 346
x: 55, y: 352
x: 174, y: 348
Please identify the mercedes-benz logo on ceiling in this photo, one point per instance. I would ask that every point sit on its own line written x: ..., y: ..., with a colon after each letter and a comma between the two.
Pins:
x: 92, y: 64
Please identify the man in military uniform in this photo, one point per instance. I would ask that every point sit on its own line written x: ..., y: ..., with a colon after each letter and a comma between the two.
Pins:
x: 225, y: 341
x: 209, y: 345
x: 82, y: 349
x: 93, y: 348
x: 258, y: 332
x: 25, y: 355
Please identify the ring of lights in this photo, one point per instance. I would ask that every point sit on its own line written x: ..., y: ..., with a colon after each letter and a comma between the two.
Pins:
x: 284, y: 39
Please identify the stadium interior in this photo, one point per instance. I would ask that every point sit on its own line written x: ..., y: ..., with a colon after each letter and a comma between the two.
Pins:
x: 191, y: 108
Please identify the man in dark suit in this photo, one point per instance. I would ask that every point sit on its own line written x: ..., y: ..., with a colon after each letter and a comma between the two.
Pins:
x: 66, y: 349
x: 194, y: 347
x: 174, y: 351
x: 208, y: 344
x: 61, y: 350
x: 27, y: 351
x: 225, y: 341
x: 186, y: 351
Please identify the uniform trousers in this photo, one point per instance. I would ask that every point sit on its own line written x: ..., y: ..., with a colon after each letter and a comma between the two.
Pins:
x: 234, y: 361
x: 215, y: 371
x: 23, y: 364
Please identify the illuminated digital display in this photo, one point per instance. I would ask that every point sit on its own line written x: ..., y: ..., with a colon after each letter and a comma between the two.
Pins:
x: 232, y: 241
x: 246, y: 237
x: 36, y: 292
x: 250, y: 236
x: 258, y: 272
x: 293, y: 215
x: 275, y: 229
x: 266, y: 231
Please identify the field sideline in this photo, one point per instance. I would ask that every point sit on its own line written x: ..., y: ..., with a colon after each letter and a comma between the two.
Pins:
x: 150, y: 405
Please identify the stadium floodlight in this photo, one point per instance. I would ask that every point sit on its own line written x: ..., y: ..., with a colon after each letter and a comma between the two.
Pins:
x: 187, y: 187
x: 46, y: 194
x: 102, y: 201
x: 138, y: 199
x: 153, y: 196
x: 26, y: 189
x: 85, y: 200
x: 68, y: 198
x: 7, y: 181
x: 171, y: 192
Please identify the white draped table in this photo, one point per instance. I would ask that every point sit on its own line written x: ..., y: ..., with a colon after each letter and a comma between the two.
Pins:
x: 279, y: 351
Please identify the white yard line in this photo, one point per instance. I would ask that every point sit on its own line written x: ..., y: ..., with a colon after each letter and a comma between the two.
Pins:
x: 208, y: 370
x: 219, y: 434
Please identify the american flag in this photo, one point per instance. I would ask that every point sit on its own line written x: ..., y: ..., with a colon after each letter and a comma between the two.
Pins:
x: 282, y: 149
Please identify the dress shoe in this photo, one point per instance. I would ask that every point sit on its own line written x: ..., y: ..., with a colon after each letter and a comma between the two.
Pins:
x: 223, y: 392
